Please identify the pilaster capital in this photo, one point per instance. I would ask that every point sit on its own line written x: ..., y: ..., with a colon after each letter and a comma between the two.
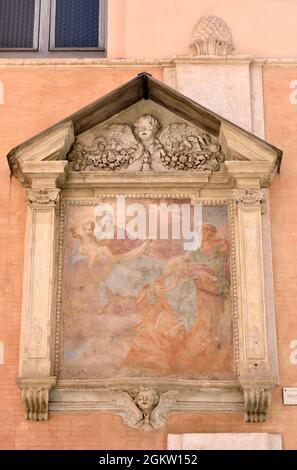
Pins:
x: 249, y: 196
x: 43, y: 196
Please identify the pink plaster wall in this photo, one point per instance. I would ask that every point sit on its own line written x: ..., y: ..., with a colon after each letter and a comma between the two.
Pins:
x: 159, y: 28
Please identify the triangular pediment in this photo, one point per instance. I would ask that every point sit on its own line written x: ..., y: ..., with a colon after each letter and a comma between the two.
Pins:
x: 146, y: 138
x: 145, y: 126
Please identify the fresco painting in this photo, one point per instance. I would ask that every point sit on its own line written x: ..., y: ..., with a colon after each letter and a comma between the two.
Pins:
x: 146, y: 308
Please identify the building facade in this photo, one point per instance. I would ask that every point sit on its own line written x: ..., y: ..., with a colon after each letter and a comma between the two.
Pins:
x: 238, y: 60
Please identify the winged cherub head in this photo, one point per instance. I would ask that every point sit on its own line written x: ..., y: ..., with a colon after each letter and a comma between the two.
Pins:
x: 146, y: 399
x: 146, y: 127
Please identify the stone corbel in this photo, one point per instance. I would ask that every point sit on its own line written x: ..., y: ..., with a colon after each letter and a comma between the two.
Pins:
x: 256, y: 403
x: 35, y: 396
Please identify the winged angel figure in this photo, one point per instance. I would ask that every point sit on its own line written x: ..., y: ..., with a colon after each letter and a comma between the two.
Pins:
x: 146, y: 409
x: 179, y: 146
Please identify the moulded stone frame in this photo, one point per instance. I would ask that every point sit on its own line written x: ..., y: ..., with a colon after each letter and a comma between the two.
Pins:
x: 250, y: 389
x: 250, y: 164
x: 106, y: 395
x: 194, y: 198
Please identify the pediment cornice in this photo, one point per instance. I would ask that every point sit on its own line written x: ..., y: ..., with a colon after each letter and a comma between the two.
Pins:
x: 198, y: 145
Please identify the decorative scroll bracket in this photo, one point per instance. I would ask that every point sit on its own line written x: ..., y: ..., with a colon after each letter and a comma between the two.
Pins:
x: 35, y: 395
x: 256, y: 403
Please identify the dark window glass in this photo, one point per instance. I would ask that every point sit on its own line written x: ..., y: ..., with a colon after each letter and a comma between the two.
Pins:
x: 77, y: 23
x: 17, y: 23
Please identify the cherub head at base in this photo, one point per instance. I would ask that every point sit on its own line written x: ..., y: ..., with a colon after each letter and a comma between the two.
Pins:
x: 146, y: 399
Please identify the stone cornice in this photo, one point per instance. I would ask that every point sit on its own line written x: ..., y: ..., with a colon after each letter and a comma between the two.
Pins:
x: 140, y: 63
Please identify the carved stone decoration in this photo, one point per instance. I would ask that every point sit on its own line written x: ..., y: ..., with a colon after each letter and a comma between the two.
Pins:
x: 35, y: 395
x: 147, y: 150
x: 146, y: 409
x: 43, y: 196
x: 246, y: 196
x: 180, y: 146
x: 186, y: 149
x: 211, y: 36
x: 256, y: 403
x: 15, y: 166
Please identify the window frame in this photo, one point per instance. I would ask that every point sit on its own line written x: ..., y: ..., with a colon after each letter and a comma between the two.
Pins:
x: 101, y: 34
x: 44, y: 34
x: 36, y: 33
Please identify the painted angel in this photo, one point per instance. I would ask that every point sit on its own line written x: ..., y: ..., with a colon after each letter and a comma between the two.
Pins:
x: 97, y: 251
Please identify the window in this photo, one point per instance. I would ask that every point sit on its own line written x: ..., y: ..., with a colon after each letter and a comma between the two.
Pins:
x: 19, y: 24
x: 54, y: 28
x: 74, y: 24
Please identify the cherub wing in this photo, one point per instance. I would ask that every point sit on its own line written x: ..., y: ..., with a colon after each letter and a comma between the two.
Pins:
x: 159, y: 414
x: 131, y: 414
x: 116, y: 148
x: 187, y: 148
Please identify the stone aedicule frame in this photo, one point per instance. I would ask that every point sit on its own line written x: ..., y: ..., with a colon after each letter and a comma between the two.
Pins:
x: 241, y: 182
x: 119, y: 395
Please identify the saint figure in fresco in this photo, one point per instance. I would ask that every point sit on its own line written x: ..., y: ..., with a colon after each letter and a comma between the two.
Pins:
x: 209, y: 339
x: 161, y: 330
x: 182, y: 312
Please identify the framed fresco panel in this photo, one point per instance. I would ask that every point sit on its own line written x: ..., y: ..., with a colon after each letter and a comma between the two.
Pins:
x: 146, y: 306
x: 150, y: 298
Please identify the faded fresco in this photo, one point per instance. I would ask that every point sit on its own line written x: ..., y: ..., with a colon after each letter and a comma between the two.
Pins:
x: 145, y: 308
